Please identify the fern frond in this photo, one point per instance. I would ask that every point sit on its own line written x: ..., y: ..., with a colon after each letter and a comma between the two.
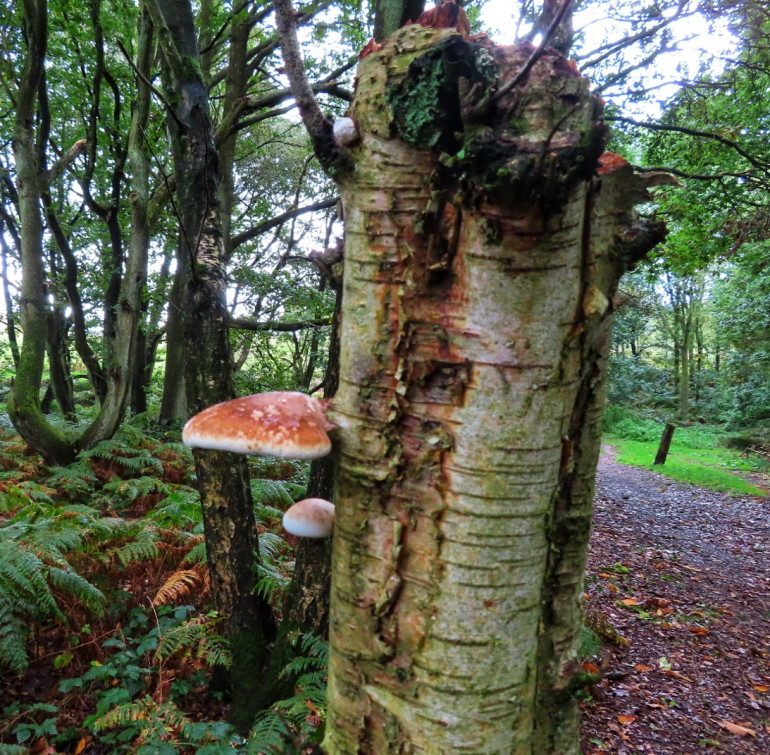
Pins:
x: 271, y: 493
x: 26, y: 595
x: 180, y: 509
x: 177, y: 587
x: 145, y: 548
x: 197, y: 638
x: 135, y: 487
x: 70, y: 583
x: 197, y: 554
x: 75, y: 481
x: 271, y: 582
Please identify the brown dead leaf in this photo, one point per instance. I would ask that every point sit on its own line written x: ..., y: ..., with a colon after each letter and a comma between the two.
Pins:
x: 741, y: 731
x: 642, y: 667
x: 626, y: 719
x: 630, y: 602
x: 679, y: 676
x: 700, y: 631
x: 760, y: 688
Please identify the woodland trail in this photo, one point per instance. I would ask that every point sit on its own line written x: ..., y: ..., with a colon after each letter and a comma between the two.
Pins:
x: 683, y: 574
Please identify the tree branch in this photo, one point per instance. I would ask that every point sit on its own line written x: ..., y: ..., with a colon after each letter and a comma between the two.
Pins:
x: 276, y: 326
x: 258, y: 230
x: 693, y: 132
x: 537, y: 53
x: 332, y: 157
x: 50, y: 175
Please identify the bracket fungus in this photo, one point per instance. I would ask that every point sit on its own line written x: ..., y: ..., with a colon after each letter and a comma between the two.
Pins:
x: 311, y: 517
x: 285, y: 424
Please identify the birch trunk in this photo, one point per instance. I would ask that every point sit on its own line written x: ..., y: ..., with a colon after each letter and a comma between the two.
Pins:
x: 481, y: 255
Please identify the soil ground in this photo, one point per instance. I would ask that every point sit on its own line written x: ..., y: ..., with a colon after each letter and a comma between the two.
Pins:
x: 683, y: 575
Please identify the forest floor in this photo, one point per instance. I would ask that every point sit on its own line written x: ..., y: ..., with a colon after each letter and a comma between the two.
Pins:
x: 678, y: 584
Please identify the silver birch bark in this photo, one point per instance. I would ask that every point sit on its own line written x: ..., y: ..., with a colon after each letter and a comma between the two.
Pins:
x: 482, y: 251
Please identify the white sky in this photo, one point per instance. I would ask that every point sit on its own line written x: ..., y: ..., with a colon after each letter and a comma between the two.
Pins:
x: 697, y: 41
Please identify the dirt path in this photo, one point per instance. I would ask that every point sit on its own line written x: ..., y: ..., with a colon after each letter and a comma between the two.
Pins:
x: 683, y: 574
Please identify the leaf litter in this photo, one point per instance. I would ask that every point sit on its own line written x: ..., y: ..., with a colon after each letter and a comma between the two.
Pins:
x: 682, y: 576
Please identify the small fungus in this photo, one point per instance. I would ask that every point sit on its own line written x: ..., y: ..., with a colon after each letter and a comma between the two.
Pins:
x: 345, y: 132
x: 311, y: 517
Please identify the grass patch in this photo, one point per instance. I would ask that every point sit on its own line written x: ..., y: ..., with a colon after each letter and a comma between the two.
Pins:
x: 711, y: 467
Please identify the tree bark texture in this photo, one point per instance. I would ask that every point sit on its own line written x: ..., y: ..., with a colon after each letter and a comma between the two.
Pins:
x: 482, y: 251
x: 228, y: 513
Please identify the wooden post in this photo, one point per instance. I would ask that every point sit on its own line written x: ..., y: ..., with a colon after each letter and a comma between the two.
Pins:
x: 665, y: 444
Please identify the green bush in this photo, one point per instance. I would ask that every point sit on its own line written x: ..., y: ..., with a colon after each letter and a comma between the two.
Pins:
x: 625, y: 423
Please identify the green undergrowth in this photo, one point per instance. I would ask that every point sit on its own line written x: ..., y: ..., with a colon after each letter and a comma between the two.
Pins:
x: 104, y: 588
x: 697, y: 456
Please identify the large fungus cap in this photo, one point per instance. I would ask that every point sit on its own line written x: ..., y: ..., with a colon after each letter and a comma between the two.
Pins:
x: 286, y: 424
x: 311, y: 517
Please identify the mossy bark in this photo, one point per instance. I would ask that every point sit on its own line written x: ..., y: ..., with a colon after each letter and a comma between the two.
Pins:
x: 24, y: 399
x: 481, y: 255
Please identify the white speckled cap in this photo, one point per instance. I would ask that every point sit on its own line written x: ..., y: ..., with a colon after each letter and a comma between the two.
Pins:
x: 286, y: 424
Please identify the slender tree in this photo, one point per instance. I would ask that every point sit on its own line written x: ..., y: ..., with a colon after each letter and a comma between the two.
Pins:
x: 231, y: 534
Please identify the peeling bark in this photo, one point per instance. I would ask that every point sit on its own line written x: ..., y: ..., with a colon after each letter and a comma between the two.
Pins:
x: 481, y: 254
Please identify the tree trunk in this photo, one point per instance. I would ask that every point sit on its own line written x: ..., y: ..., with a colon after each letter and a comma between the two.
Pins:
x: 684, y: 376
x: 10, y: 315
x: 228, y: 514
x: 665, y: 444
x: 122, y: 328
x: 57, y: 348
x: 24, y: 399
x: 173, y: 404
x: 306, y: 607
x: 475, y: 329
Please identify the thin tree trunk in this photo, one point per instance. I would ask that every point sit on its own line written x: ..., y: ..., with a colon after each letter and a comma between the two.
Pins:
x: 173, y: 405
x: 57, y: 348
x: 23, y: 400
x: 10, y: 315
x: 475, y: 331
x: 228, y: 513
x: 122, y: 328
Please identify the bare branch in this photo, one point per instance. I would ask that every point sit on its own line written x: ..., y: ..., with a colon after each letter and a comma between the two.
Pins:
x: 50, y: 175
x: 332, y: 157
x: 537, y: 53
x: 258, y: 230
x: 277, y: 326
x: 761, y: 165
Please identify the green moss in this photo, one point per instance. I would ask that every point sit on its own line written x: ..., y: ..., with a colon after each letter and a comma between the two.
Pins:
x: 426, y: 101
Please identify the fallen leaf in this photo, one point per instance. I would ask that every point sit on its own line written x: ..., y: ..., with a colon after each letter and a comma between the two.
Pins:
x: 760, y: 688
x: 642, y: 667
x: 630, y: 602
x: 677, y: 675
x: 626, y: 719
x: 741, y: 731
x: 700, y: 631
